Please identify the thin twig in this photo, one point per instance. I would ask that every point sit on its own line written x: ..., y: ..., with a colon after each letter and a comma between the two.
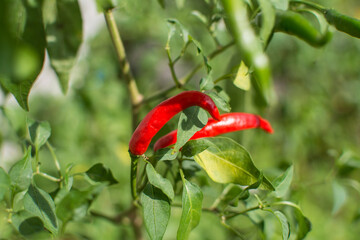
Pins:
x: 47, y: 176
x: 53, y: 155
x: 188, y: 77
x: 135, y: 95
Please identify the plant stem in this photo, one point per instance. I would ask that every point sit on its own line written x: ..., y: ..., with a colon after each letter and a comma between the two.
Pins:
x: 223, y: 77
x: 236, y: 232
x: 133, y: 176
x: 171, y: 65
x: 188, y: 77
x: 212, y: 55
x: 53, y: 155
x: 47, y: 176
x: 135, y: 95
x: 234, y: 213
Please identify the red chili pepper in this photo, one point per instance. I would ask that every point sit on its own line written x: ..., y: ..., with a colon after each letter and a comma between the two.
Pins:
x: 230, y: 122
x: 163, y: 112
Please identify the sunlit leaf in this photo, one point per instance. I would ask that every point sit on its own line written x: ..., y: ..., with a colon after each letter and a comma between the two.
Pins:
x: 242, y: 79
x: 191, y: 209
x: 156, y: 210
x: 40, y: 204
x: 158, y: 181
x: 225, y: 161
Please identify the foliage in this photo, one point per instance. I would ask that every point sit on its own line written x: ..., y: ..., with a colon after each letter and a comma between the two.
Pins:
x: 71, y: 179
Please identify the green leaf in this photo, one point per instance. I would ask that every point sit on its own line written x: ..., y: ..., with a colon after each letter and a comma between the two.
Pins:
x: 156, y: 211
x: 76, y: 203
x: 64, y: 36
x: 191, y: 209
x: 162, y: 3
x: 194, y: 147
x: 200, y: 16
x: 285, y: 225
x: 184, y: 33
x: 340, y: 195
x: 280, y: 4
x: 22, y: 47
x: 187, y: 38
x: 206, y: 83
x: 226, y: 161
x: 18, y: 201
x: 100, y: 173
x: 268, y: 20
x: 39, y: 132
x: 26, y: 223
x: 21, y: 173
x: 242, y: 79
x: 4, y: 183
x: 158, y: 181
x: 304, y: 224
x: 250, y: 47
x: 220, y: 101
x: 103, y: 5
x: 191, y: 120
x: 40, y: 204
x: 228, y: 195
x: 165, y: 154
x: 283, y: 182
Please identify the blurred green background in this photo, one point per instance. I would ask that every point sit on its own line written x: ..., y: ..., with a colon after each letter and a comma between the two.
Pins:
x: 315, y: 117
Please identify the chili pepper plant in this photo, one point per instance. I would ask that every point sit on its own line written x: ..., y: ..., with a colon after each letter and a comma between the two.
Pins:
x: 176, y: 123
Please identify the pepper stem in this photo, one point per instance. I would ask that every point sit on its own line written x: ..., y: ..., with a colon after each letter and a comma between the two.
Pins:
x: 133, y: 176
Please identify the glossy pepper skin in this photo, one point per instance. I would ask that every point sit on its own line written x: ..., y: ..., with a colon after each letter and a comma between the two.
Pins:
x: 342, y: 22
x: 295, y: 24
x: 230, y: 122
x: 163, y: 112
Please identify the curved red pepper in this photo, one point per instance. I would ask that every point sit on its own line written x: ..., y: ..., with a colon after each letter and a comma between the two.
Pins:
x: 163, y: 112
x: 230, y: 122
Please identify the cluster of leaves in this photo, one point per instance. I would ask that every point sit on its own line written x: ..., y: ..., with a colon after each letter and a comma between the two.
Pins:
x: 55, y: 26
x: 32, y: 210
x: 31, y: 28
x: 252, y: 24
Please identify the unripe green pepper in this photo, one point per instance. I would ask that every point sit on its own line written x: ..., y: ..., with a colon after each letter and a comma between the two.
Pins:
x: 294, y: 23
x: 342, y: 22
x: 250, y: 47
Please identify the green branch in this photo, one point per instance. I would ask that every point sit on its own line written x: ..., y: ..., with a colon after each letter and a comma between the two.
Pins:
x: 135, y: 95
